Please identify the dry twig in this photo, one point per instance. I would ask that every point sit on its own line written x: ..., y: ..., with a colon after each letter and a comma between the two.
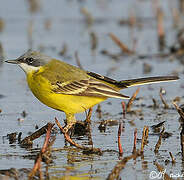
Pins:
x: 128, y: 108
x: 34, y: 5
x: 37, y: 165
x: 88, y: 117
x: 144, y: 138
x: 160, y: 24
x: 166, y: 106
x: 122, y: 46
x: 173, y: 160
x: 2, y: 24
x: 155, y: 105
x: 160, y: 28
x: 78, y: 60
x: 124, y: 109
x: 119, y: 140
x: 180, y: 111
x: 88, y: 124
x: 87, y: 15
x: 162, y: 170
x: 94, y: 41
x: 182, y: 141
x: 63, y: 50
x: 120, y: 165
x: 99, y: 111
x: 157, y: 146
x: 29, y: 139
x: 135, y: 141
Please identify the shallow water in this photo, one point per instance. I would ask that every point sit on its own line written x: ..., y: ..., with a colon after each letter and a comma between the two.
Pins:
x: 68, y: 26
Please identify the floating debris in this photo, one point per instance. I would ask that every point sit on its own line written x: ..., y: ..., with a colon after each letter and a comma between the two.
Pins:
x: 12, y: 173
x: 79, y: 129
x: 28, y: 141
x: 108, y: 122
x: 102, y: 126
x: 156, y: 127
x: 166, y: 135
x: 24, y: 114
x: 111, y: 55
x: 12, y: 137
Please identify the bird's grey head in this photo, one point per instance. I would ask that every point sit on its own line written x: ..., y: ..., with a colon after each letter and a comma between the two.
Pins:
x: 31, y: 61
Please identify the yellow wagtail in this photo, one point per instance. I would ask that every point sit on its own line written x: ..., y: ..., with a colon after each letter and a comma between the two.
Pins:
x: 70, y: 89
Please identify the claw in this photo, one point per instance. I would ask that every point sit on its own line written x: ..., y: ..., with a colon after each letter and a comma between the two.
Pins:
x: 68, y: 127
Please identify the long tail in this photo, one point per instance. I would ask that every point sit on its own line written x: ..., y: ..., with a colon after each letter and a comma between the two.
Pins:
x: 148, y: 80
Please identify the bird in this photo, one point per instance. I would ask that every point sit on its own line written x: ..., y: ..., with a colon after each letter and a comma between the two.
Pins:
x: 69, y: 89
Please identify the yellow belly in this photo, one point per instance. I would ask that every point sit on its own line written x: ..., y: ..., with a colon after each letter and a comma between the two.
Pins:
x: 71, y: 104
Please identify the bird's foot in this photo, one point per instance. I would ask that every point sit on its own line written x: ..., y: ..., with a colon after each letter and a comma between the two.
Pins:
x: 68, y: 127
x: 67, y: 138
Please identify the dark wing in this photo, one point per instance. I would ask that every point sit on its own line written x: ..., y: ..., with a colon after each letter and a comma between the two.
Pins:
x: 105, y: 79
x: 86, y: 87
x: 133, y: 82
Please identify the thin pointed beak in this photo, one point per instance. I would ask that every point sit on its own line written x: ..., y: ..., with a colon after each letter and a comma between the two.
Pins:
x: 15, y: 61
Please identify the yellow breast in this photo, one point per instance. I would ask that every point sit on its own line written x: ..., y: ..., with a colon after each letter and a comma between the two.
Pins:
x: 42, y: 89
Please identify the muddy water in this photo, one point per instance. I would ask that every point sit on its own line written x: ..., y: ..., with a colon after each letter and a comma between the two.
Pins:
x: 67, y: 25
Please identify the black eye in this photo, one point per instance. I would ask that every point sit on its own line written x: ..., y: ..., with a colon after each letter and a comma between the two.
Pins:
x: 29, y: 60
